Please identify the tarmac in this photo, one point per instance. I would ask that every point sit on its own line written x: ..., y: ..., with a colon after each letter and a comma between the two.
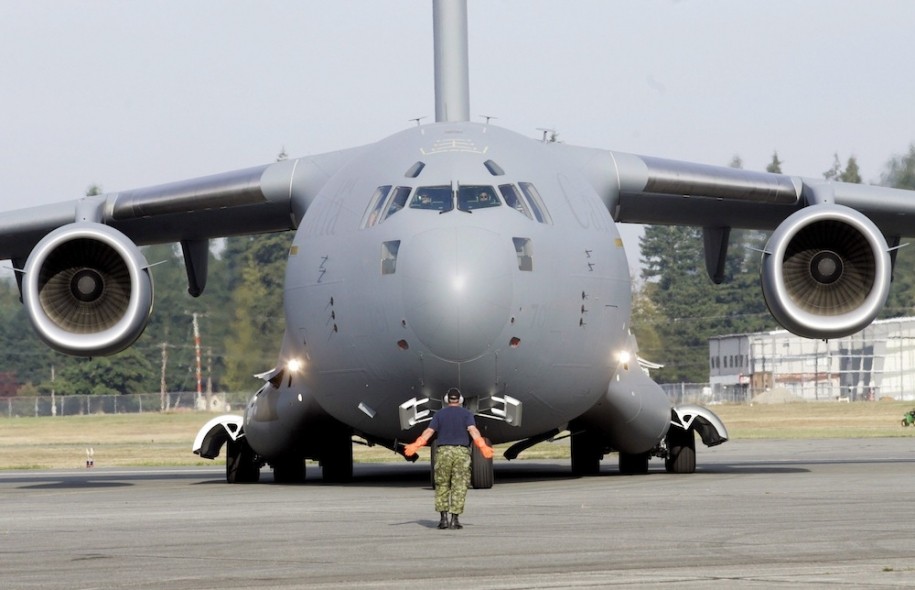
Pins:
x: 756, y: 514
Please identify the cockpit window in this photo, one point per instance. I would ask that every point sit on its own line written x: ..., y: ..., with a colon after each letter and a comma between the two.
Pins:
x: 472, y: 197
x: 376, y: 204
x: 494, y: 168
x: 433, y: 198
x: 513, y: 199
x: 398, y: 200
x: 414, y: 170
x: 536, y: 203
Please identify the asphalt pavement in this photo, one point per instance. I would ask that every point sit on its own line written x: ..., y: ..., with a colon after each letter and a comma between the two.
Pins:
x: 756, y: 514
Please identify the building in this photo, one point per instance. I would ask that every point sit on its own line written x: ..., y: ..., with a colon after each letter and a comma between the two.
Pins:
x: 876, y: 362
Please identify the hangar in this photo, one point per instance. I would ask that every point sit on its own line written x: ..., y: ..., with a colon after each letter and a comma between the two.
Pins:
x: 877, y: 362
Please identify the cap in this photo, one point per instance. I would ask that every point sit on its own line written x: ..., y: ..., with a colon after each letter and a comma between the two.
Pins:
x: 453, y: 395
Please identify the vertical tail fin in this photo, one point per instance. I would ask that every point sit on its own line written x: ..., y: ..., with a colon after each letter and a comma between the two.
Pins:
x: 452, y: 74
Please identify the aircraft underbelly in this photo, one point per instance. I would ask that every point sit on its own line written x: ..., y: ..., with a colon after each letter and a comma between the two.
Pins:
x: 364, y: 379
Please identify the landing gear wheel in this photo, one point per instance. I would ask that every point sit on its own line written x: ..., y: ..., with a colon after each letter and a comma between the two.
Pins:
x: 289, y: 470
x: 481, y: 475
x: 681, y: 451
x: 587, y: 452
x: 337, y: 456
x: 634, y: 464
x: 241, y: 463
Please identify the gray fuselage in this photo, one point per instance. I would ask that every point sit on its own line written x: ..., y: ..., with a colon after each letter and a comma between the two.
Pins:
x: 439, y: 286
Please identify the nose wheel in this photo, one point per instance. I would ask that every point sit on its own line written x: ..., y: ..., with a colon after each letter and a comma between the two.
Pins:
x: 681, y: 451
x: 481, y: 471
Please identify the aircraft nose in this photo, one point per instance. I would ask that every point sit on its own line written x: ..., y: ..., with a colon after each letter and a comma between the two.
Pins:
x: 457, y: 289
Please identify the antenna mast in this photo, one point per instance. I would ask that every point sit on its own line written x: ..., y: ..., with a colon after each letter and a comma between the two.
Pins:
x: 452, y: 74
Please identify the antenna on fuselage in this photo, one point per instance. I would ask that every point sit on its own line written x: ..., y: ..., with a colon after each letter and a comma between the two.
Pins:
x: 549, y: 135
x: 417, y: 119
x: 452, y: 73
x: 488, y: 118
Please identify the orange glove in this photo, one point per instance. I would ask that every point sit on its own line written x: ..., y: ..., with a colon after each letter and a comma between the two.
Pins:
x: 410, y: 449
x: 485, y: 449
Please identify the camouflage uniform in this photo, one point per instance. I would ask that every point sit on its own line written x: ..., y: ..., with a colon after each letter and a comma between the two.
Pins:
x: 452, y: 476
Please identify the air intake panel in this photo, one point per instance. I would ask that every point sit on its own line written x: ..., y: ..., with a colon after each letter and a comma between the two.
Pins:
x: 826, y: 272
x: 87, y: 290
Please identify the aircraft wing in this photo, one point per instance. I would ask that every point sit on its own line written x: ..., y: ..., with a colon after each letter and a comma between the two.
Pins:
x: 266, y: 198
x: 84, y: 282
x: 649, y: 190
x: 827, y: 267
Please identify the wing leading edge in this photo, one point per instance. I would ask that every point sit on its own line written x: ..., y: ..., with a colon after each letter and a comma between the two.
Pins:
x: 263, y: 199
x: 649, y: 190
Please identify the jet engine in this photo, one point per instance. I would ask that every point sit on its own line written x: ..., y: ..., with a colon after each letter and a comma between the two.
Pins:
x: 87, y: 290
x: 826, y: 272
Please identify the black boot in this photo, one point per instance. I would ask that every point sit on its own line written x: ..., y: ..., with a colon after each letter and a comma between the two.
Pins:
x: 455, y: 523
x: 443, y: 523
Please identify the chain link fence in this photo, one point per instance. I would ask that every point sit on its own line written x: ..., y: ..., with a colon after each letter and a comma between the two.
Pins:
x: 71, y: 405
x: 692, y: 393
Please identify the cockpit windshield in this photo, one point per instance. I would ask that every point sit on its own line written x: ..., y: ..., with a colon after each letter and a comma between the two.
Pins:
x: 401, y: 193
x: 472, y: 197
x: 433, y: 198
x: 388, y: 200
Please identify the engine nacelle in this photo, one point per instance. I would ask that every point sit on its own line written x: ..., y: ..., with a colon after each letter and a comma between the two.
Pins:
x: 87, y: 290
x: 826, y: 272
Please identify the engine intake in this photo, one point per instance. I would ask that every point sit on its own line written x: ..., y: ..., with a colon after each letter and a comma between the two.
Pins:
x: 87, y: 290
x: 826, y: 272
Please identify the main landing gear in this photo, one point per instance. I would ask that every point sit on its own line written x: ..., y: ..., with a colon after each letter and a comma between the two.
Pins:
x: 679, y: 453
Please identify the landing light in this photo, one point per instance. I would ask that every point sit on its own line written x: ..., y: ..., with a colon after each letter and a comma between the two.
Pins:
x: 624, y: 357
x: 294, y: 365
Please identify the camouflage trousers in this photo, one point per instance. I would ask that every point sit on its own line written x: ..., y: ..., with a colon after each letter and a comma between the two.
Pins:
x: 452, y: 476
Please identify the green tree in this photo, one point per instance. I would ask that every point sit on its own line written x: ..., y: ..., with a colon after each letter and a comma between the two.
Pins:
x: 775, y: 166
x: 123, y: 373
x: 257, y: 270
x: 900, y: 173
x: 646, y: 318
x: 674, y: 280
x: 850, y: 173
x: 900, y: 170
x: 171, y: 323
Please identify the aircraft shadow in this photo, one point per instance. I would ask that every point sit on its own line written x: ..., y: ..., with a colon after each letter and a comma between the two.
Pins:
x: 392, y: 475
x: 411, y: 475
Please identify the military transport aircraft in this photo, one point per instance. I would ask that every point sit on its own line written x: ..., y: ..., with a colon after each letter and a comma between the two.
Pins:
x: 456, y: 254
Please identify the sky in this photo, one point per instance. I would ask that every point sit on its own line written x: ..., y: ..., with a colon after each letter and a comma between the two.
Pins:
x: 131, y: 94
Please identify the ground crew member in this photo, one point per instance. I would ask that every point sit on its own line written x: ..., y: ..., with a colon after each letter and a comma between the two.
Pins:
x: 455, y: 427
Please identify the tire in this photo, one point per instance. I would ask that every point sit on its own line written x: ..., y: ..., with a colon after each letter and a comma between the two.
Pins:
x: 241, y: 463
x: 337, y: 457
x: 634, y: 464
x: 586, y: 454
x: 481, y: 472
x: 289, y: 470
x: 681, y: 451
